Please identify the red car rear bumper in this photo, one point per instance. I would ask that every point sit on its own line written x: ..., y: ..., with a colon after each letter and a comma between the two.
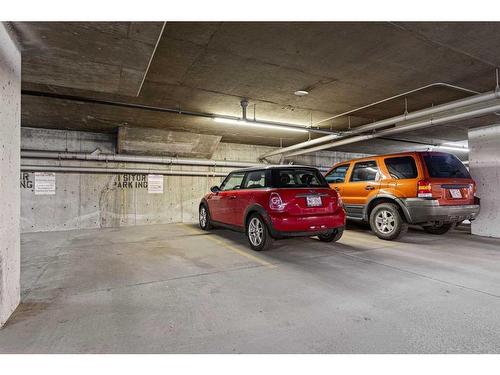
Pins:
x: 294, y: 226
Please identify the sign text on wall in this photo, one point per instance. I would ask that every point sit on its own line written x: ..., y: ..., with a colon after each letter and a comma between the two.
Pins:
x: 26, y: 181
x: 132, y: 180
x: 155, y: 184
x: 45, y: 183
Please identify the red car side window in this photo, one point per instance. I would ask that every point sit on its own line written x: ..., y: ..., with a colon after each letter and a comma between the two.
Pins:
x: 233, y: 181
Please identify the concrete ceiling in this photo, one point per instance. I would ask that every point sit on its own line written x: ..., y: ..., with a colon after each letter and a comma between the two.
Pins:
x: 95, y: 56
x: 209, y: 67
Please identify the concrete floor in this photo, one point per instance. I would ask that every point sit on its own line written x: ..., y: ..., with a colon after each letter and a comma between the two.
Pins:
x: 176, y: 289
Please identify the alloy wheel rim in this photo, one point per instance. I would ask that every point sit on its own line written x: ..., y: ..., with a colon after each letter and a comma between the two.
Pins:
x: 203, y: 217
x: 385, y: 221
x: 255, y: 231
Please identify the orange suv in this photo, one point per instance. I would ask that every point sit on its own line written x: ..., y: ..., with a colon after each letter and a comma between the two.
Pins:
x: 431, y: 189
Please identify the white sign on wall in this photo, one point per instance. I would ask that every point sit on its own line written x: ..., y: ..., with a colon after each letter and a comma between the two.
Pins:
x: 155, y: 184
x: 45, y: 183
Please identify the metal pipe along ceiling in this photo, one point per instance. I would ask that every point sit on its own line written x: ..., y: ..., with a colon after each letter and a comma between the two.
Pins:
x: 436, y: 84
x: 404, y: 128
x: 77, y: 169
x: 54, y: 155
x: 170, y: 110
x: 134, y: 159
x: 391, y: 121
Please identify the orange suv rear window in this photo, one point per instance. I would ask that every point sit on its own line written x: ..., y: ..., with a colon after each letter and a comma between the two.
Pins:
x: 445, y: 166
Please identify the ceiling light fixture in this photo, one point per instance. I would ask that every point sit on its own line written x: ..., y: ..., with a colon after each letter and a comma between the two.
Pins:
x: 301, y: 93
x: 259, y: 124
x: 456, y: 146
x: 453, y: 148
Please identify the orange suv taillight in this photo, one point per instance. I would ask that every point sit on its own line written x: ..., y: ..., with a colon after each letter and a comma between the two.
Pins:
x: 424, y: 189
x: 275, y: 202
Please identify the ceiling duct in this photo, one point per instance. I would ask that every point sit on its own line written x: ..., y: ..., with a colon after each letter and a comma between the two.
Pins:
x: 477, y: 111
x: 479, y: 98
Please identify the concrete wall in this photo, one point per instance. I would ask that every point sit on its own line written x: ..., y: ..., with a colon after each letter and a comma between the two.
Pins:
x: 484, y: 164
x: 10, y: 118
x: 102, y: 200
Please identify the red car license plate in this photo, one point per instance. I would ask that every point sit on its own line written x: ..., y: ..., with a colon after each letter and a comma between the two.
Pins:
x: 313, y: 201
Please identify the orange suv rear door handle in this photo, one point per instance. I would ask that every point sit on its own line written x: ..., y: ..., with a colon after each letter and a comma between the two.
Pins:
x: 369, y: 187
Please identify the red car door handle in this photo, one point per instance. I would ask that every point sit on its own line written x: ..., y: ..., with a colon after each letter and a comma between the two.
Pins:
x: 232, y: 197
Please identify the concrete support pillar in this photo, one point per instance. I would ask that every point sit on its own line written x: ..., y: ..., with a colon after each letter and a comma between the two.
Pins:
x: 484, y: 163
x: 10, y: 133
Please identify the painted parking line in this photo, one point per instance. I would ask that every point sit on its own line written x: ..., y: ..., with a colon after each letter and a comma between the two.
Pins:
x: 231, y: 247
x: 377, y: 242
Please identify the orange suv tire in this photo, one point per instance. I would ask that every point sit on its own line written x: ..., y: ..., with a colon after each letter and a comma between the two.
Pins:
x: 438, y: 229
x: 387, y: 222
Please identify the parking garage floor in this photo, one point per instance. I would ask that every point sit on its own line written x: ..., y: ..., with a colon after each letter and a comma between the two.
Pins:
x: 175, y: 289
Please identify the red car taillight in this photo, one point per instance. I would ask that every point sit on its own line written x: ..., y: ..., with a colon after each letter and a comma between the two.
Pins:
x: 275, y: 202
x: 340, y: 202
x: 424, y: 189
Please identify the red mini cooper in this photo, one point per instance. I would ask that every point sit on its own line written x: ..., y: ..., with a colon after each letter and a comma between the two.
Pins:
x: 275, y: 202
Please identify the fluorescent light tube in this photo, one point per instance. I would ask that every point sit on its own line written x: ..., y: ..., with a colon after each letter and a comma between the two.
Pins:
x: 260, y: 124
x: 455, y: 148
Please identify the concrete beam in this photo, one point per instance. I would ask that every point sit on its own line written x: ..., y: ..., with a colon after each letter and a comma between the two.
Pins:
x: 148, y: 141
x: 10, y: 129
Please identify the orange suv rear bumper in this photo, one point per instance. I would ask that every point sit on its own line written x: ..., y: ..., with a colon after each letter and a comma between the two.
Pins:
x: 418, y: 211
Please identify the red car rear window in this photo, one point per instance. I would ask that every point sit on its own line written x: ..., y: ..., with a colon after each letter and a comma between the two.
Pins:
x: 298, y: 178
